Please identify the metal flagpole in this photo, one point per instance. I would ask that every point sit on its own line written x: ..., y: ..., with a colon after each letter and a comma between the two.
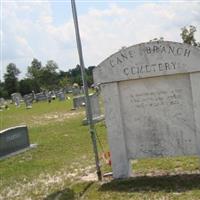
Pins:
x: 88, y: 105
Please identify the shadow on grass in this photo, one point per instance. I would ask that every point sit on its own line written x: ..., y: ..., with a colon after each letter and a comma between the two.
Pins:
x: 61, y: 195
x: 166, y: 183
x: 77, y: 191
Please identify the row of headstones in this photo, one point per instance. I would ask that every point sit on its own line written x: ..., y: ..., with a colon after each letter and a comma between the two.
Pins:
x: 60, y: 94
x: 42, y: 96
x: 74, y: 89
x: 15, y: 140
x: 29, y: 98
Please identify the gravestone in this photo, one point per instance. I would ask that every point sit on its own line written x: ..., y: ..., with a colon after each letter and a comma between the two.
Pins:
x: 16, y: 98
x: 28, y: 99
x: 96, y: 110
x: 82, y: 90
x: 152, y: 102
x: 61, y: 96
x: 17, y: 101
x: 52, y: 94
x: 56, y: 92
x: 42, y: 96
x: 76, y: 91
x: 2, y: 102
x: 78, y: 102
x: 14, y: 140
x: 34, y: 97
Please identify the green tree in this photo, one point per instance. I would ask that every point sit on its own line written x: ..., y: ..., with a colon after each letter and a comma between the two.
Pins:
x: 3, y: 92
x: 28, y: 85
x: 75, y: 75
x: 89, y: 75
x: 49, y: 76
x: 51, y: 66
x: 34, y: 75
x: 188, y: 37
x: 11, y: 80
x: 64, y: 82
x: 34, y: 71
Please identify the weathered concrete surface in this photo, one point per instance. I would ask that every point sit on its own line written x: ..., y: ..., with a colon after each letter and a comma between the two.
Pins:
x: 148, y: 60
x: 152, y: 102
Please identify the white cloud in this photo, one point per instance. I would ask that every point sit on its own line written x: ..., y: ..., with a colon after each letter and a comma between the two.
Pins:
x: 24, y: 49
x: 104, y: 35
x: 29, y: 30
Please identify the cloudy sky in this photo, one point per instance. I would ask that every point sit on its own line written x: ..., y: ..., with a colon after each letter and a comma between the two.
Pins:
x: 44, y: 29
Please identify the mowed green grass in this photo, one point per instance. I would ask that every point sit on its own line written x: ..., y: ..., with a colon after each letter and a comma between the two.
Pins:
x: 64, y: 155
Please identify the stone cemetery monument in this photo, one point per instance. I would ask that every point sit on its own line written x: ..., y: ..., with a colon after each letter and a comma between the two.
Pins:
x: 78, y: 102
x: 56, y: 92
x: 14, y: 140
x: 75, y: 89
x: 42, y: 96
x: 2, y: 102
x: 16, y: 98
x: 152, y: 102
x: 61, y: 96
x: 52, y: 94
x: 82, y: 90
x: 69, y: 89
x: 28, y: 99
x: 96, y: 110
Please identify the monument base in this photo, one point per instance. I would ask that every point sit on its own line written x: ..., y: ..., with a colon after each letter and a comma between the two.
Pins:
x: 19, y: 151
x: 95, y: 120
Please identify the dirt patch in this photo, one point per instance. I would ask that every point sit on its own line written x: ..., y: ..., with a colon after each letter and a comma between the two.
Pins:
x: 55, y: 117
x: 45, y: 183
x: 89, y: 177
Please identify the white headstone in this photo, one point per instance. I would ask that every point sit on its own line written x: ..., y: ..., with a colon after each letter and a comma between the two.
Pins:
x: 78, y: 102
x: 28, y: 99
x: 61, y: 96
x: 17, y: 101
x: 152, y: 102
x: 76, y: 91
x: 16, y: 98
x: 2, y: 102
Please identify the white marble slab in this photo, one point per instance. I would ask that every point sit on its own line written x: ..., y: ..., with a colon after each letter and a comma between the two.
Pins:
x: 152, y: 102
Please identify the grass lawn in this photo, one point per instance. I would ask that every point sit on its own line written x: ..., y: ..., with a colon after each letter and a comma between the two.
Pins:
x: 62, y: 166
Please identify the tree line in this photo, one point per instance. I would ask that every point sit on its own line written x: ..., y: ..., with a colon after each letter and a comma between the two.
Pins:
x: 39, y: 78
x: 49, y: 77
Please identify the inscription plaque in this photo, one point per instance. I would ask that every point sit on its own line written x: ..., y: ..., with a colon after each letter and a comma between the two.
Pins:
x: 13, y: 139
